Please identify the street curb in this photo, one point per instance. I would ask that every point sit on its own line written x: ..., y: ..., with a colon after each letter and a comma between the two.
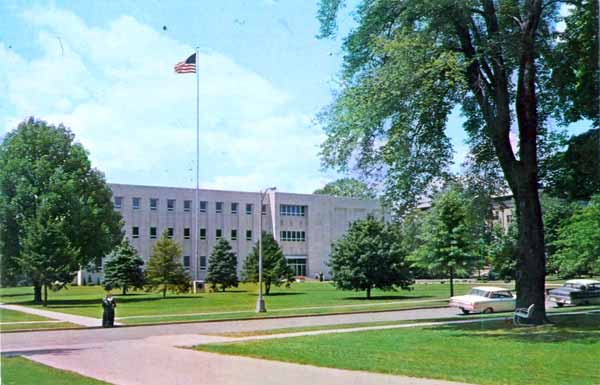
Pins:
x: 222, y: 320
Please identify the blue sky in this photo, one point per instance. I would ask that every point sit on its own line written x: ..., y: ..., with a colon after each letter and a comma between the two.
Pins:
x: 105, y: 69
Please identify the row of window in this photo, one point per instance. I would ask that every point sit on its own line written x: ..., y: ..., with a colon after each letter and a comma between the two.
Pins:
x: 293, y: 236
x: 135, y: 233
x: 136, y: 204
x: 292, y: 210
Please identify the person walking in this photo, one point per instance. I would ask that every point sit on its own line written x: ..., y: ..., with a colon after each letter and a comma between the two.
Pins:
x: 108, y: 314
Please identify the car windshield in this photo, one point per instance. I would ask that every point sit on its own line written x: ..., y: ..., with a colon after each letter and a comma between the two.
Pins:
x: 479, y: 292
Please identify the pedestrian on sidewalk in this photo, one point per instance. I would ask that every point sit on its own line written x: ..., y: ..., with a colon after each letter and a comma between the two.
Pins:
x: 108, y: 305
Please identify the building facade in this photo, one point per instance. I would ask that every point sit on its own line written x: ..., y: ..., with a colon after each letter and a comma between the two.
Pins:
x: 304, y: 225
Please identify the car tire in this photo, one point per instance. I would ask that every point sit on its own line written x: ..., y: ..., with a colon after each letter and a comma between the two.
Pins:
x: 488, y: 310
x: 465, y: 311
x: 558, y: 304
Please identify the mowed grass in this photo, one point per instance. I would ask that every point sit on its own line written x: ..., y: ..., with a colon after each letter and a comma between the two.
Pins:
x: 482, y: 353
x: 17, y: 316
x: 299, y: 298
x: 21, y: 371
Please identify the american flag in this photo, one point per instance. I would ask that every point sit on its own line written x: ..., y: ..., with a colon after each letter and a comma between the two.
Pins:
x: 188, y: 66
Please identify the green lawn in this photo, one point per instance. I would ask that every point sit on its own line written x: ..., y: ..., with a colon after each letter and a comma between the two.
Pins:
x: 482, y: 353
x: 300, y: 298
x: 21, y: 371
x: 17, y: 316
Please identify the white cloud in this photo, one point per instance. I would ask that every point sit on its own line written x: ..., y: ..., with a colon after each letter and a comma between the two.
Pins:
x: 114, y: 86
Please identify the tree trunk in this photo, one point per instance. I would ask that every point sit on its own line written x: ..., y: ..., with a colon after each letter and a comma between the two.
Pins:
x: 164, y: 291
x: 451, y: 282
x: 368, y: 292
x: 37, y: 293
x: 45, y: 295
x: 223, y: 289
x: 267, y: 287
x: 531, y: 272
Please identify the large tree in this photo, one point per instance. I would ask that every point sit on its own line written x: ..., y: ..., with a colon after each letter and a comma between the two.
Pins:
x: 222, y: 266
x: 275, y: 270
x: 165, y: 270
x: 447, y: 244
x: 407, y: 63
x: 347, y: 187
x: 370, y: 255
x: 56, y: 211
x: 123, y: 268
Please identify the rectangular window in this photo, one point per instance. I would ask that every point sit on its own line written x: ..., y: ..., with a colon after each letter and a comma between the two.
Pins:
x: 118, y: 202
x: 135, y: 203
x: 152, y: 232
x: 187, y: 205
x: 292, y: 210
x: 249, y: 208
x: 153, y: 204
x: 135, y: 232
x: 218, y: 233
x: 186, y: 261
x: 302, y: 236
x: 282, y: 236
x: 234, y: 207
x: 202, y: 262
x: 203, y: 205
x: 263, y: 210
x: 202, y: 233
x: 294, y: 233
x: 233, y: 234
x: 170, y: 232
x: 248, y: 235
x: 170, y: 204
x: 219, y: 207
x: 186, y: 233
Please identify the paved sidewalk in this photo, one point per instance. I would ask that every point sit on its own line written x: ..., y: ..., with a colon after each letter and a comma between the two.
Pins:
x: 63, y: 317
x: 157, y: 361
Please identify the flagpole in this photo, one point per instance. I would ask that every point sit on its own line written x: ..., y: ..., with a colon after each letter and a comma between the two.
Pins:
x: 197, y: 230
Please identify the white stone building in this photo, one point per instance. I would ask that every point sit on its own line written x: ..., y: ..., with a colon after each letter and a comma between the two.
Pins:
x: 304, y: 225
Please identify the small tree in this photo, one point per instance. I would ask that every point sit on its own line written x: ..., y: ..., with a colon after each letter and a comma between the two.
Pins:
x: 447, y: 246
x: 124, y: 268
x: 165, y: 271
x: 347, y: 187
x: 578, y: 243
x: 222, y: 266
x: 370, y: 255
x: 275, y: 269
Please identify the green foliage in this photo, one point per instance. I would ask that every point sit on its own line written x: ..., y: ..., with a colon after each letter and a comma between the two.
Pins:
x: 447, y: 245
x: 165, y: 270
x: 275, y: 270
x: 370, y: 255
x: 123, y: 268
x: 578, y: 242
x: 576, y: 77
x: 575, y: 173
x: 502, y: 252
x: 347, y: 187
x: 56, y: 212
x: 222, y: 266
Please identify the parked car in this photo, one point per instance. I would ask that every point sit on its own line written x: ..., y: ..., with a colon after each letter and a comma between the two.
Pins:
x: 576, y: 292
x: 485, y: 299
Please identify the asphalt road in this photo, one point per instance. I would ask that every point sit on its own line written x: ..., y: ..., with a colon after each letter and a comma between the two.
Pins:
x: 39, y: 340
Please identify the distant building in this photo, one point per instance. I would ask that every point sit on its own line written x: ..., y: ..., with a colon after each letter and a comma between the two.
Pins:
x: 304, y: 225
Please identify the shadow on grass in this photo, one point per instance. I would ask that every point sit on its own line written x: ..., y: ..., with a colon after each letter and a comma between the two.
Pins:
x: 388, y: 297
x: 584, y: 328
x: 16, y: 295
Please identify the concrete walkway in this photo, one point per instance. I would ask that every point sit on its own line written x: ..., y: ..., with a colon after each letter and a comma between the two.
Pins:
x: 162, y: 361
x: 63, y: 317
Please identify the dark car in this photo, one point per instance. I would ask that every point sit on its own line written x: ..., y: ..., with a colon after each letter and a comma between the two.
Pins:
x: 576, y: 292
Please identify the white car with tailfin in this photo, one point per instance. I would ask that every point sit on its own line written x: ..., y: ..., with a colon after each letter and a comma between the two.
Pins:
x: 485, y: 299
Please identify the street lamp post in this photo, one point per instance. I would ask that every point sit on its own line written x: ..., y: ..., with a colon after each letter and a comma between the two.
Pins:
x: 260, y: 303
